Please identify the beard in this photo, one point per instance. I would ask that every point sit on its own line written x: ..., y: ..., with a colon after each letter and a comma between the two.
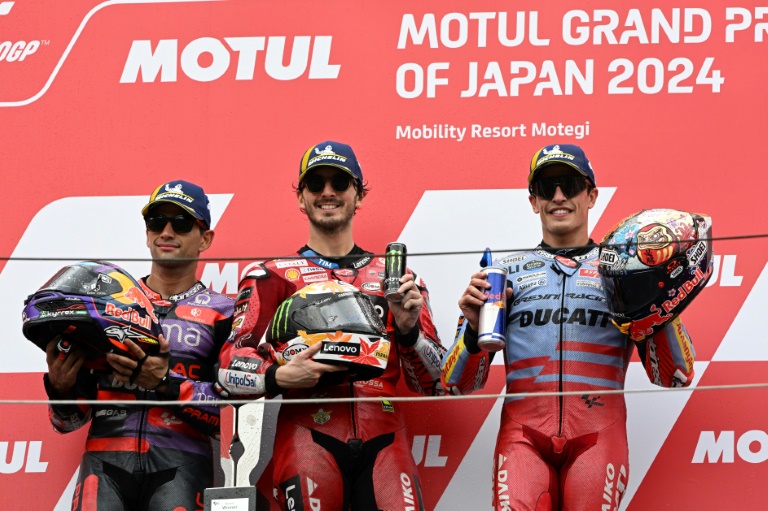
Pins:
x: 331, y: 225
x: 171, y: 261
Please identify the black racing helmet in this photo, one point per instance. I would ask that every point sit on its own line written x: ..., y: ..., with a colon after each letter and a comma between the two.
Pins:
x: 340, y: 316
x: 653, y: 264
x: 94, y: 305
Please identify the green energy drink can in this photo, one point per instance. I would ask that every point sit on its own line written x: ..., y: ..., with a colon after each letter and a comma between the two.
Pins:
x: 394, y: 268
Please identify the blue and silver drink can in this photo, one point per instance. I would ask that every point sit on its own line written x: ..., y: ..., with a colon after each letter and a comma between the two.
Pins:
x: 492, y: 328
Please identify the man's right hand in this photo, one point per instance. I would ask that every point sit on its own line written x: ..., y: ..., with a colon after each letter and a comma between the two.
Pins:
x: 473, y: 298
x: 302, y: 372
x: 63, y: 367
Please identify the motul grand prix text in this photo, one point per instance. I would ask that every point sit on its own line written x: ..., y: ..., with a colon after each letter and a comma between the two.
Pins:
x: 636, y: 28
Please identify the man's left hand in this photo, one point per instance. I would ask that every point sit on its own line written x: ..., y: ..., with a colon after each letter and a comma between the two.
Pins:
x: 406, y: 312
x: 147, y: 374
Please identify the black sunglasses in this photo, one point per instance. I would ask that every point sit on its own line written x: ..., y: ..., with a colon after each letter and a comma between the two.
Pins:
x: 546, y: 187
x: 340, y: 182
x: 181, y: 224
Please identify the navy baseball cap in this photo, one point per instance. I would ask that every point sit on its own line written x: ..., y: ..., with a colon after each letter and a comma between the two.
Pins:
x: 184, y: 194
x: 570, y: 155
x: 330, y: 154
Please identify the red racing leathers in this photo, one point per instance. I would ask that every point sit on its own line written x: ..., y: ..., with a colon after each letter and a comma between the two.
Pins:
x: 142, y: 457
x: 564, y: 452
x: 336, y: 465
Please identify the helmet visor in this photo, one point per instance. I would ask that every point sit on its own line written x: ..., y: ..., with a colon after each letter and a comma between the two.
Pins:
x: 80, y: 280
x: 634, y: 292
x: 350, y: 312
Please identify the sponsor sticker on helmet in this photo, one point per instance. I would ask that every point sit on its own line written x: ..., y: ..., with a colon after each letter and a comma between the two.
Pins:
x: 696, y: 253
x: 609, y: 258
x: 292, y: 350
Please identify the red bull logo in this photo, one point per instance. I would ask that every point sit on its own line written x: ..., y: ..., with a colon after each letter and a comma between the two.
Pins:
x: 129, y: 315
x: 684, y: 290
x: 642, y: 328
x: 138, y: 297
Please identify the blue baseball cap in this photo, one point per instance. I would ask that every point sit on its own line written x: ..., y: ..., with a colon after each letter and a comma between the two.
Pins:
x: 188, y: 196
x: 568, y: 154
x: 330, y: 154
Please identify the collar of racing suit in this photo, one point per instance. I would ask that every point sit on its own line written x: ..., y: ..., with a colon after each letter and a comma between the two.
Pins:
x: 569, y: 252
x: 156, y: 297
x: 352, y: 260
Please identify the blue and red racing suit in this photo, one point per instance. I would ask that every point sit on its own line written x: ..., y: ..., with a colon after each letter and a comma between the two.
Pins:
x: 568, y: 451
x: 150, y: 457
x: 351, y: 454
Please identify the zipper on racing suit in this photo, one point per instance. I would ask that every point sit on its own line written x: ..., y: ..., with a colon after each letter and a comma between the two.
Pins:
x: 355, y: 444
x: 141, y: 459
x: 561, y: 399
x: 161, y: 311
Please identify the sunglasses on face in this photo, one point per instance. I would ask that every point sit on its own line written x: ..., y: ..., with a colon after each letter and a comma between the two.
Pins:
x: 340, y: 182
x: 181, y: 224
x: 546, y: 187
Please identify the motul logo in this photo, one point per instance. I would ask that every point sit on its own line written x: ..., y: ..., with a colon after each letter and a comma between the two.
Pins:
x: 751, y: 447
x: 5, y: 8
x: 26, y: 456
x: 310, y: 56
